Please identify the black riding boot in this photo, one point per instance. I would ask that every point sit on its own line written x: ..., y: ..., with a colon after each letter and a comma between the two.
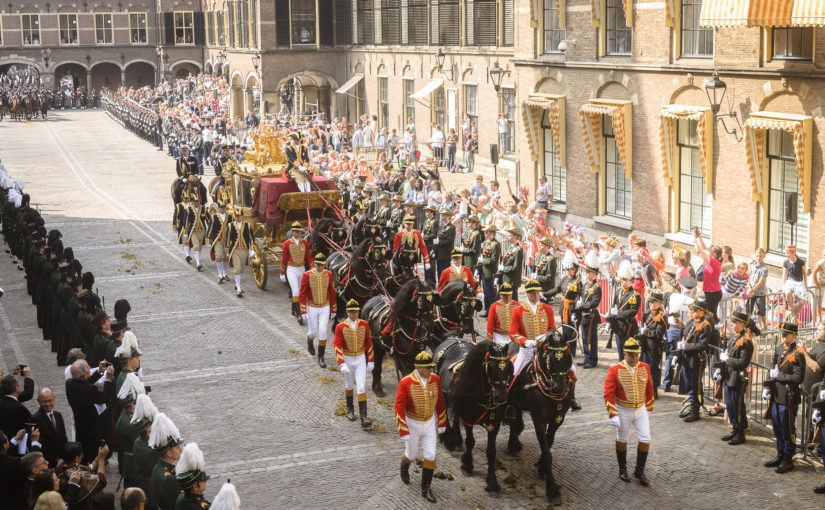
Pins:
x: 426, y: 481
x: 621, y: 456
x: 362, y: 411
x: 737, y: 438
x: 296, y: 309
x: 694, y: 414
x: 311, y: 346
x: 574, y: 404
x: 321, y: 361
x: 774, y: 461
x: 729, y: 435
x: 786, y: 464
x: 350, y: 409
x: 639, y: 472
x: 405, y: 470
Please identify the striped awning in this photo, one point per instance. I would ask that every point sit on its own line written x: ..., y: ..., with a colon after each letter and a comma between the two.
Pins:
x: 808, y: 13
x: 670, y: 12
x: 531, y: 113
x: 597, y: 12
x: 590, y: 116
x: 668, y: 117
x: 745, y: 13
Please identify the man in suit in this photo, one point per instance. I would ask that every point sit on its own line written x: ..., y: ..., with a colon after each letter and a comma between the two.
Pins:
x: 82, y: 396
x: 13, y: 414
x: 52, y: 427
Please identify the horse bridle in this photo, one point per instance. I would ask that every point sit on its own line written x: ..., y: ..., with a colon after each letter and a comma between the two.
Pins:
x: 541, y: 379
x: 502, y: 366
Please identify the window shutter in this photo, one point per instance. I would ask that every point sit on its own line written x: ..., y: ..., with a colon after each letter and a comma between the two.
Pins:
x: 325, y: 30
x: 434, y: 39
x: 416, y: 22
x: 169, y: 28
x: 390, y: 21
x: 485, y: 23
x: 507, y: 39
x: 281, y: 23
x: 198, y: 25
x: 343, y: 22
x: 469, y: 17
x: 448, y: 28
x: 366, y: 26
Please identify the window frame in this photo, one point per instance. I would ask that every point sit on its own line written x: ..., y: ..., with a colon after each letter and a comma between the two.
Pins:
x: 784, y: 228
x: 618, y: 166
x: 680, y: 146
x: 307, y: 15
x: 473, y: 116
x: 409, y: 102
x: 772, y: 38
x: 438, y: 116
x: 617, y: 8
x: 559, y: 10
x: 185, y: 29
x: 104, y: 30
x: 510, y: 138
x: 383, y: 102
x: 680, y: 33
x: 23, y: 30
x: 145, y: 27
x: 61, y: 28
x: 557, y: 182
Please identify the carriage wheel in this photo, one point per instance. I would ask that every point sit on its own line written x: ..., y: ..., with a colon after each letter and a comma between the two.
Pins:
x: 258, y: 264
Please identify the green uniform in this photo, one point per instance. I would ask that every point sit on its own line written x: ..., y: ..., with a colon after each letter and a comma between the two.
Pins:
x: 121, y: 377
x: 109, y: 355
x: 383, y: 216
x: 546, y: 268
x: 489, y: 257
x: 125, y: 435
x: 446, y: 242
x: 144, y: 459
x: 165, y: 487
x: 512, y: 265
x: 429, y: 232
x: 187, y: 501
x: 396, y: 218
x: 471, y: 246
x: 370, y: 206
x: 98, y: 349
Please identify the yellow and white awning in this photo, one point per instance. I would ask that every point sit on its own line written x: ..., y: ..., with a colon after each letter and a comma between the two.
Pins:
x: 343, y: 89
x: 597, y: 12
x: 531, y: 113
x: 668, y: 117
x: 745, y: 13
x: 590, y: 115
x: 808, y: 13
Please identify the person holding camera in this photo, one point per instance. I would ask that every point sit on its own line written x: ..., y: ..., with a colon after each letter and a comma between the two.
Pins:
x: 83, y: 395
x: 13, y: 414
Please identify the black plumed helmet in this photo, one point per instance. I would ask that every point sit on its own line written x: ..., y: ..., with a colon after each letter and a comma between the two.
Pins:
x: 68, y: 254
x: 93, y: 302
x: 122, y: 309
x: 88, y: 280
x: 54, y: 235
x: 57, y: 248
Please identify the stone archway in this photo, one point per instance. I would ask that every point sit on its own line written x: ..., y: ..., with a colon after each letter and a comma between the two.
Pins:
x: 207, y: 68
x: 236, y: 95
x: 70, y: 75
x: 252, y: 94
x: 139, y: 74
x: 105, y: 74
x: 183, y: 68
x: 313, y: 92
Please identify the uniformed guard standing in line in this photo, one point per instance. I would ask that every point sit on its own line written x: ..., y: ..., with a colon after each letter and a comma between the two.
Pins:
x: 498, y: 320
x: 166, y: 441
x: 471, y: 243
x: 138, y: 468
x: 179, y: 223
x: 512, y: 262
x: 239, y: 247
x: 570, y: 289
x: 652, y: 337
x: 625, y: 307
x: 190, y: 474
x: 125, y: 432
x: 590, y: 318
x: 396, y: 216
x: 530, y: 320
x: 444, y: 241
x: 216, y: 238
x: 196, y: 222
x: 545, y: 266
x: 383, y: 215
x: 785, y: 376
x: 318, y: 302
x: 628, y: 396
x: 736, y: 359
x: 488, y: 267
x: 421, y: 414
x: 295, y: 257
x: 694, y: 348
x: 429, y: 233
x: 355, y: 356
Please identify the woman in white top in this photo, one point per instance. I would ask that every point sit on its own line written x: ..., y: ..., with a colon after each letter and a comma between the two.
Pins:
x: 435, y: 198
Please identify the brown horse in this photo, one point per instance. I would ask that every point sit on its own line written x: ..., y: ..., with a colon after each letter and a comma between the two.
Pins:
x: 193, y: 184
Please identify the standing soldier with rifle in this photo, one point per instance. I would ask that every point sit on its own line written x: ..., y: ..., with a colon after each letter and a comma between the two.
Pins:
x: 512, y: 262
x: 471, y: 242
x: 429, y: 233
x: 488, y: 267
x: 736, y: 359
x: 783, y: 383
x: 693, y: 354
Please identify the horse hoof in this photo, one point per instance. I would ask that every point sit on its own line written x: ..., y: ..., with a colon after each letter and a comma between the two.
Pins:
x: 514, y: 447
x: 467, y: 471
x: 554, y: 500
x: 493, y: 488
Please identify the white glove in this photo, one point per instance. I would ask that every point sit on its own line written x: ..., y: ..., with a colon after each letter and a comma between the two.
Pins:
x: 821, y: 394
x: 607, y: 327
x: 304, y: 316
x: 614, y: 310
x: 426, y: 266
x: 530, y: 344
x: 370, y: 366
x: 681, y: 346
x: 283, y: 278
x: 674, y: 362
x: 501, y: 267
x: 480, y: 296
x: 442, y: 430
x: 475, y: 275
x: 435, y: 241
x: 773, y: 373
x: 816, y: 417
x: 723, y: 357
x: 614, y: 421
x: 533, y: 275
x: 495, y: 283
x: 252, y: 254
x: 766, y: 394
x: 389, y: 223
x: 186, y: 179
x: 343, y: 368
x: 642, y: 330
x: 573, y: 368
x: 332, y: 315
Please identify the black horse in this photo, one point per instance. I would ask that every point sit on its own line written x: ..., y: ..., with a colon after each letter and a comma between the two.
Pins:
x: 458, y: 304
x: 402, y: 267
x: 476, y: 394
x: 545, y: 389
x: 357, y: 276
x: 328, y: 236
x: 401, y: 325
x: 366, y: 228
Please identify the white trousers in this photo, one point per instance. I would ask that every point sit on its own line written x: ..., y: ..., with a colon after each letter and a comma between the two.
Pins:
x: 306, y: 187
x: 638, y: 417
x: 357, y: 373
x: 318, y: 322
x: 501, y: 339
x: 293, y: 276
x: 425, y: 433
x: 525, y: 354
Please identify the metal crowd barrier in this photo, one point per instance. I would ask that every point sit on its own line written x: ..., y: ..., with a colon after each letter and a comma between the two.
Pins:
x: 775, y: 308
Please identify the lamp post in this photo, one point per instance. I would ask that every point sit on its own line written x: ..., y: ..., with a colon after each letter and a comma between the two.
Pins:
x: 496, y: 74
x: 440, y: 56
x: 159, y: 53
x: 715, y: 88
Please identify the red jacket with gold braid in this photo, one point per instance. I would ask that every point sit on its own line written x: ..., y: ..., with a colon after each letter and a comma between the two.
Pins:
x: 352, y: 342
x: 525, y: 325
x: 295, y: 254
x: 419, y: 403
x: 628, y: 388
x: 498, y: 318
x: 317, y: 290
x: 415, y: 238
x: 448, y: 275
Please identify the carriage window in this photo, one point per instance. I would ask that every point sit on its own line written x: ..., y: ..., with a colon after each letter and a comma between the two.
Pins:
x: 31, y: 28
x: 137, y: 27
x: 103, y: 28
x: 246, y: 192
x: 68, y: 28
x: 184, y: 28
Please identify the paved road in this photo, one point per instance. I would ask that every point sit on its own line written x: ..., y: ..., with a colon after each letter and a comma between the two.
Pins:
x: 234, y: 376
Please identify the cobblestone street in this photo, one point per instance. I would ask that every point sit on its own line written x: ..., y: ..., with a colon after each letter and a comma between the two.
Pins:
x: 235, y: 377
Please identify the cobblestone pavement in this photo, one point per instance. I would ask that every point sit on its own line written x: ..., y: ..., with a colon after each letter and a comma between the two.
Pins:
x: 235, y: 377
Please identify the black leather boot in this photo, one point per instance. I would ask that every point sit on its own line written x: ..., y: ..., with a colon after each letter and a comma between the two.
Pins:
x: 350, y: 409
x: 786, y: 464
x: 694, y: 414
x: 639, y: 472
x: 774, y: 461
x: 737, y: 438
x: 321, y: 361
x: 820, y: 489
x: 685, y: 412
x: 311, y: 347
x: 729, y: 435
x: 426, y: 481
x: 362, y: 411
x: 405, y: 471
x: 621, y: 456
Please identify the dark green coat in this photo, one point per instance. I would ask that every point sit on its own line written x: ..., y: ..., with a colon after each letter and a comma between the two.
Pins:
x: 446, y: 242
x: 546, y: 268
x: 471, y: 244
x: 187, y: 501
x: 429, y: 232
x: 513, y: 265
x: 165, y: 487
x: 144, y: 460
x: 489, y: 263
x: 95, y: 356
x: 397, y: 217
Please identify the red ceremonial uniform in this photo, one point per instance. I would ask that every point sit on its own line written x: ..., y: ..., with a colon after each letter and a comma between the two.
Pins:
x: 351, y: 342
x: 628, y: 388
x: 448, y: 275
x: 499, y: 317
x: 295, y: 254
x: 413, y: 237
x: 317, y: 290
x: 419, y: 403
x: 526, y: 325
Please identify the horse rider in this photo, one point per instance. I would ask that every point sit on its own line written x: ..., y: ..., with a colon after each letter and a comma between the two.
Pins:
x: 488, y: 267
x: 239, y: 246
x: 737, y: 360
x: 317, y: 300
x: 471, y: 242
x: 397, y: 215
x: 430, y: 232
x: 698, y: 333
x: 512, y: 261
x: 196, y: 222
x: 185, y: 166
x: 353, y: 350
x: 590, y: 318
x: 179, y: 222
x: 421, y: 414
x: 498, y: 320
x: 413, y: 238
x: 216, y: 238
x: 295, y: 256
x: 628, y: 396
x: 458, y: 272
x: 530, y: 320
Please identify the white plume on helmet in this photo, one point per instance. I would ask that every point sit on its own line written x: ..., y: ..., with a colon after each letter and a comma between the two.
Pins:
x: 591, y: 259
x: 191, y: 459
x: 568, y: 261
x: 626, y: 270
x: 227, y: 498
x: 131, y: 386
x: 144, y: 409
x: 129, y: 341
x: 162, y: 429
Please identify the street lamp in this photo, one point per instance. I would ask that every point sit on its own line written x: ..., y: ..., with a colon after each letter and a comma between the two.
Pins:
x: 256, y: 61
x: 715, y: 88
x: 46, y: 53
x: 496, y: 74
x: 440, y: 56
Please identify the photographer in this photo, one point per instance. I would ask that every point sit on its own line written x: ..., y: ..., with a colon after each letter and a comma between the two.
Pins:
x: 82, y: 395
x: 13, y: 414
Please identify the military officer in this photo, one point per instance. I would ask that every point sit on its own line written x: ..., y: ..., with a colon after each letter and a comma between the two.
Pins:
x: 652, y: 337
x: 545, y: 265
x: 785, y: 376
x: 295, y: 256
x: 318, y: 302
x: 570, y: 289
x: 498, y: 320
x: 370, y: 203
x: 625, y: 307
x: 429, y: 232
x: 590, y: 318
x: 127, y: 357
x: 138, y: 467
x: 458, y: 272
x: 196, y: 222
x: 396, y: 216
x: 512, y: 262
x: 530, y: 320
x: 471, y: 242
x: 125, y: 432
x: 185, y: 166
x: 216, y: 238
x: 190, y: 475
x: 736, y: 359
x: 412, y: 237
x: 488, y: 267
x: 628, y: 396
x: 384, y: 213
x: 179, y: 223
x: 444, y: 241
x: 694, y: 347
x: 355, y: 356
x: 421, y: 414
x: 239, y: 247
x: 166, y: 441
x: 356, y: 198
